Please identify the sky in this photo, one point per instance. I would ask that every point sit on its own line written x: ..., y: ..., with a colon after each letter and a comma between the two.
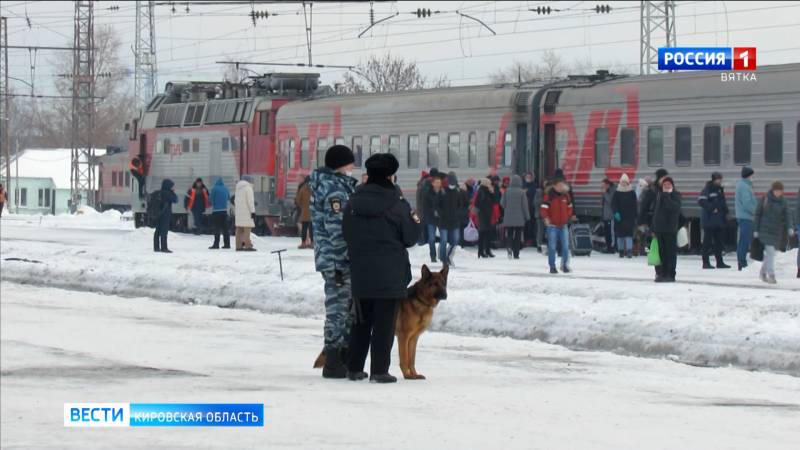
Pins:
x: 190, y: 43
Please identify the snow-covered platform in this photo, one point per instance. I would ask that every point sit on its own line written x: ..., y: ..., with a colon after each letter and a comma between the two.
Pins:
x: 708, y: 318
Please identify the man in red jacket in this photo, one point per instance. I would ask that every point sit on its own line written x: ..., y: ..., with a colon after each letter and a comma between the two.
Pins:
x: 556, y: 211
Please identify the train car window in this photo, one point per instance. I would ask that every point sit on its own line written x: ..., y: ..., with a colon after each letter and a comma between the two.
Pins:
x: 113, y: 184
x: 491, y: 149
x: 176, y: 117
x: 453, y: 149
x: 627, y: 143
x: 394, y: 145
x: 166, y: 146
x: 683, y: 146
x: 797, y: 144
x: 322, y: 147
x: 374, y: 145
x: 338, y: 140
x: 230, y: 112
x: 196, y: 145
x: 290, y: 153
x: 263, y: 123
x: 198, y: 115
x: 305, y: 157
x: 773, y: 143
x: 185, y: 146
x: 655, y: 146
x: 601, y: 147
x: 226, y: 144
x: 127, y: 179
x: 472, y: 150
x: 433, y: 150
x: 358, y: 150
x: 508, y: 152
x: 413, y: 151
x: 160, y: 147
x: 162, y: 117
x: 244, y: 116
x: 234, y: 144
x: 712, y: 153
x: 189, y: 116
x: 742, y: 143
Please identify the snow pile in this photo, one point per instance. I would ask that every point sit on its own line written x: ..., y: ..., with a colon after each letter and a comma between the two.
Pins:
x: 85, y: 217
x: 709, y: 318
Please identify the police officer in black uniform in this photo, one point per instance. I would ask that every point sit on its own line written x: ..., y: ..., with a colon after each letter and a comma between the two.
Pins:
x: 378, y: 225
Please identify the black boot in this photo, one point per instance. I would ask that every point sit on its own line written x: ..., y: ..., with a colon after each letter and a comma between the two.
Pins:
x: 621, y: 254
x: 707, y: 265
x: 334, y: 364
x: 382, y: 378
x: 356, y: 376
x: 722, y: 265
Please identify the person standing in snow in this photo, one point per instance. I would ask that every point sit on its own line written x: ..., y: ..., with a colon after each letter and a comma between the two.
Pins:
x: 303, y: 203
x: 331, y: 188
x: 666, y: 221
x: 485, y: 202
x: 531, y: 188
x: 607, y: 190
x: 713, y: 219
x: 516, y: 214
x: 166, y: 197
x: 245, y: 208
x: 378, y: 226
x: 197, y: 202
x: 745, y: 208
x: 537, y: 206
x: 430, y: 207
x: 623, y: 206
x: 556, y: 212
x: 647, y: 203
x: 220, y: 196
x: 772, y: 225
x: 449, y: 210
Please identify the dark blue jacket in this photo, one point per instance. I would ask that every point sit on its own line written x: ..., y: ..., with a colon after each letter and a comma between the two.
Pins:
x: 219, y: 196
x: 167, y: 199
x: 530, y: 191
x: 714, y: 206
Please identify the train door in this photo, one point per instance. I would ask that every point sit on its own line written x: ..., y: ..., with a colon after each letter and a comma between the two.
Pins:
x: 550, y: 156
x: 521, y: 163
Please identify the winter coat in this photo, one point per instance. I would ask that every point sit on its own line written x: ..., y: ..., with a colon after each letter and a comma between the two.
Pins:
x: 378, y: 226
x: 330, y: 192
x: 430, y: 206
x: 537, y: 203
x: 608, y: 195
x: 773, y: 221
x: 245, y: 205
x: 666, y: 212
x: 647, y: 204
x: 167, y: 199
x: 530, y: 192
x: 450, y: 208
x: 714, y: 207
x: 516, y: 210
x: 219, y: 196
x: 303, y: 202
x: 485, y: 202
x: 556, y: 207
x: 194, y: 202
x: 624, y: 204
x: 745, y: 201
x: 423, y: 186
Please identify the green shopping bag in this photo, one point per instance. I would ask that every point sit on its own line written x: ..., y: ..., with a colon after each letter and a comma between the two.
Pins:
x: 653, y: 256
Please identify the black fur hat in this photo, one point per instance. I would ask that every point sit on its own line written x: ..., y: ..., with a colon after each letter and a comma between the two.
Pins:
x: 381, y: 165
x: 339, y: 156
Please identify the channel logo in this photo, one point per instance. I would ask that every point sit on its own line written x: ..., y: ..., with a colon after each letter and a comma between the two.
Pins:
x: 163, y: 414
x: 707, y: 58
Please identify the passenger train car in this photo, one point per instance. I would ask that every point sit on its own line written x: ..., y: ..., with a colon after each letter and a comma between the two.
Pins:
x: 592, y: 127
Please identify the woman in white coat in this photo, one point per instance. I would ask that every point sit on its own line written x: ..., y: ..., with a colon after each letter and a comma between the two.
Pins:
x: 245, y: 209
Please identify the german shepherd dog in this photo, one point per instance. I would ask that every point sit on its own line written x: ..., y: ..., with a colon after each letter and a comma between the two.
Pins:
x: 413, y: 317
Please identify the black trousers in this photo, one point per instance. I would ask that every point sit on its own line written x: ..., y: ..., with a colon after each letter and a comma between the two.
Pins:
x: 484, y: 242
x: 306, y: 231
x: 668, y: 249
x: 609, y: 241
x: 530, y: 231
x: 219, y: 220
x: 712, y: 242
x: 514, y: 239
x: 373, y: 331
x: 160, y: 236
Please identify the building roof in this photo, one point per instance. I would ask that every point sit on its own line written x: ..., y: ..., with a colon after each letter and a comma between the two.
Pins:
x: 55, y: 164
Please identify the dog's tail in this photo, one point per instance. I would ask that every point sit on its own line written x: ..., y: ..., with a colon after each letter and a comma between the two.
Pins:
x: 320, y: 361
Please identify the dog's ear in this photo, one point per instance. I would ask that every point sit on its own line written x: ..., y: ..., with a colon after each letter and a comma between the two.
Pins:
x: 426, y: 273
x: 445, y: 270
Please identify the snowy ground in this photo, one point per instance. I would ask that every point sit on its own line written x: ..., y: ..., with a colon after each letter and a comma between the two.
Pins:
x: 62, y: 346
x: 709, y: 318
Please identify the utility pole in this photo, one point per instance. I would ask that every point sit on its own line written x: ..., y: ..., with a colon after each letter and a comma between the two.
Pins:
x: 83, y: 161
x: 308, y: 18
x: 657, y: 19
x: 145, y: 53
x: 5, y: 117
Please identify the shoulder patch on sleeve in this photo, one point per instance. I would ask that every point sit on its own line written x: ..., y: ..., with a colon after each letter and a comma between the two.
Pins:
x: 336, y: 204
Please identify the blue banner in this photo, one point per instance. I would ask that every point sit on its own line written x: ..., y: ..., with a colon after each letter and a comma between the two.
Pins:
x: 196, y: 414
x: 695, y: 58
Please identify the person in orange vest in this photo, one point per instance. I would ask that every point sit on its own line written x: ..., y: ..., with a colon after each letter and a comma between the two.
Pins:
x: 197, y: 202
x: 137, y: 170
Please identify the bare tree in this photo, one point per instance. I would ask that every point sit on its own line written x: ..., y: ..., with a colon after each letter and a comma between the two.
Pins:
x: 550, y: 67
x: 112, y: 83
x: 386, y: 74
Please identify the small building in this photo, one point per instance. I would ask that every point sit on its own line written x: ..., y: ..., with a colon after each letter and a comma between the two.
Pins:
x: 40, y: 181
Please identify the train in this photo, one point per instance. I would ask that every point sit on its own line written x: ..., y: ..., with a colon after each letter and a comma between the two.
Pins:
x: 277, y: 128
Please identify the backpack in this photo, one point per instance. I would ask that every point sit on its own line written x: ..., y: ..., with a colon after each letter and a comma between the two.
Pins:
x: 155, y: 204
